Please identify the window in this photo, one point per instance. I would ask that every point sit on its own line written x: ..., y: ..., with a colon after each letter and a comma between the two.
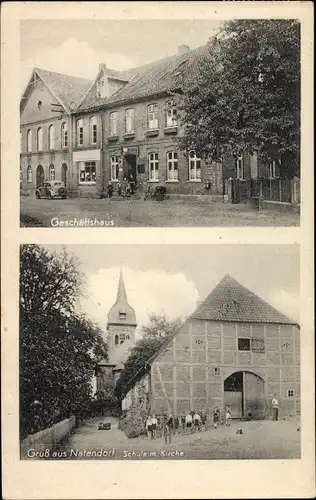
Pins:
x: 171, y: 114
x: 286, y: 345
x: 87, y: 172
x: 199, y: 341
x: 194, y: 167
x: 114, y: 166
x: 64, y: 135
x: 239, y: 168
x: 152, y: 114
x: 116, y: 340
x: 217, y: 372
x: 127, y: 337
x: 153, y: 167
x: 79, y: 132
x: 273, y: 169
x: 172, y: 166
x: 93, y: 130
x: 51, y: 137
x: 129, y: 120
x: 122, y: 315
x: 243, y: 344
x: 29, y: 174
x: 113, y: 123
x: 29, y: 141
x: 40, y: 139
x: 51, y: 173
x: 122, y: 338
x: 257, y: 345
x: 290, y: 393
x: 113, y: 87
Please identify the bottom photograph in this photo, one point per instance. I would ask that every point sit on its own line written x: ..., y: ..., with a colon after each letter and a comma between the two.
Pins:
x: 157, y: 352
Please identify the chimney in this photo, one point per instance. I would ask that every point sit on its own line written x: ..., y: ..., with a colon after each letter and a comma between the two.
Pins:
x: 102, y: 66
x: 182, y: 49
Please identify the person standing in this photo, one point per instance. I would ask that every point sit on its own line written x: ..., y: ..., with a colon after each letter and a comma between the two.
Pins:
x: 275, y: 408
x: 203, y: 420
x: 228, y: 416
x: 188, y: 422
x: 197, y: 421
x: 154, y: 423
x: 183, y: 421
x: 168, y: 428
x: 149, y: 427
x: 216, y: 415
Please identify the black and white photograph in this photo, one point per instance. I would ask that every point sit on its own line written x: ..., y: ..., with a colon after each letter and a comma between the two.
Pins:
x: 174, y: 122
x: 157, y: 352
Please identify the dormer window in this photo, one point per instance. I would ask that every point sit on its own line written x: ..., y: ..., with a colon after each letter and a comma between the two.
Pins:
x: 101, y: 88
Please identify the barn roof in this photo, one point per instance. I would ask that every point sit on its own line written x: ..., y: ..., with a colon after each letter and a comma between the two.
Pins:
x: 68, y: 90
x: 231, y: 301
x: 148, y: 80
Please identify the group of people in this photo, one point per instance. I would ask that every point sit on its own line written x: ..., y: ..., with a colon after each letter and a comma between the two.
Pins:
x: 125, y: 188
x: 187, y: 423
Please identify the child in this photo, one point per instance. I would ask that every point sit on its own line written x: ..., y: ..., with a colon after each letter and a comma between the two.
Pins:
x: 228, y: 416
x: 216, y: 416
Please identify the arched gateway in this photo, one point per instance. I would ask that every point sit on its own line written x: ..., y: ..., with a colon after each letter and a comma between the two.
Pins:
x: 244, y: 393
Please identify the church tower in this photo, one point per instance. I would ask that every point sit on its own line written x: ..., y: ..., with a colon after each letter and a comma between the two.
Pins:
x: 121, y: 328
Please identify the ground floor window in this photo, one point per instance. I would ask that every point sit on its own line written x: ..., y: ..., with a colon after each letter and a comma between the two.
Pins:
x: 153, y: 167
x: 51, y: 173
x: 114, y: 166
x: 172, y: 166
x: 87, y: 172
x: 194, y: 167
x: 273, y: 169
x: 29, y: 174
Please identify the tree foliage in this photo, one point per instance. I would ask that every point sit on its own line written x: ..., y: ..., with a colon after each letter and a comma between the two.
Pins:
x: 158, y: 330
x: 244, y: 93
x: 58, y: 348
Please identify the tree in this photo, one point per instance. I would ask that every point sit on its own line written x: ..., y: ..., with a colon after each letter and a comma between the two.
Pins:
x: 244, y: 93
x: 58, y: 348
x: 158, y: 330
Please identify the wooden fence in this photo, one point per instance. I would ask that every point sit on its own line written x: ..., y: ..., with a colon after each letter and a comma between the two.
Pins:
x: 272, y: 190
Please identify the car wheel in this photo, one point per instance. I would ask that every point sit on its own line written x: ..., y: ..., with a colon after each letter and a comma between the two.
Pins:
x: 37, y: 195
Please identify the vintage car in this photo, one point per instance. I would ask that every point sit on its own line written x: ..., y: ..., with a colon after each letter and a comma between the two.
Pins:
x: 104, y: 426
x: 51, y: 189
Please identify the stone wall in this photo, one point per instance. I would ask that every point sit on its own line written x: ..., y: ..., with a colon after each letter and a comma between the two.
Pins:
x: 47, y: 438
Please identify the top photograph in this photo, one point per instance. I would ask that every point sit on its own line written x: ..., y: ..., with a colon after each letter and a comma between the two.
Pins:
x: 160, y: 123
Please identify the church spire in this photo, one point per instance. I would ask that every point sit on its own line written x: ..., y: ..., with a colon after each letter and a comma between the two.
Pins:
x: 121, y: 297
x: 121, y: 312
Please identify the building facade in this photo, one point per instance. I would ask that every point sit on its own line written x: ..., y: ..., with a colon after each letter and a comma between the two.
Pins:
x: 90, y: 133
x: 235, y: 350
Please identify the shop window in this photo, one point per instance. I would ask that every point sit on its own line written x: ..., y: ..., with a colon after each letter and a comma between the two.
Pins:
x: 87, y: 172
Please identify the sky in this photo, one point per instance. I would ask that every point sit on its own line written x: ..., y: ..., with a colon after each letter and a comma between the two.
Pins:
x: 77, y: 47
x: 173, y: 279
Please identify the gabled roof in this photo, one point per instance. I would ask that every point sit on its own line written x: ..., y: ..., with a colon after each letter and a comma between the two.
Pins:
x: 231, y: 301
x: 68, y: 90
x: 148, y: 80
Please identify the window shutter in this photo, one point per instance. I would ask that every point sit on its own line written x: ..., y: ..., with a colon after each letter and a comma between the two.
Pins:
x: 257, y: 345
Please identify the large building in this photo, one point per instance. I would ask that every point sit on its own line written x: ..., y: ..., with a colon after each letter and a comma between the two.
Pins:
x: 120, y: 338
x: 89, y: 133
x: 235, y: 349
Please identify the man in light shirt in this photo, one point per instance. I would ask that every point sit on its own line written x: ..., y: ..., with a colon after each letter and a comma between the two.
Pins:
x: 188, y: 421
x: 275, y: 408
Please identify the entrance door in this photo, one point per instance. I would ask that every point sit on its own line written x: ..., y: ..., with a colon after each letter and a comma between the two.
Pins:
x: 130, y: 166
x: 233, y: 394
x: 64, y: 173
x: 244, y: 393
x: 254, y: 396
x: 39, y: 176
